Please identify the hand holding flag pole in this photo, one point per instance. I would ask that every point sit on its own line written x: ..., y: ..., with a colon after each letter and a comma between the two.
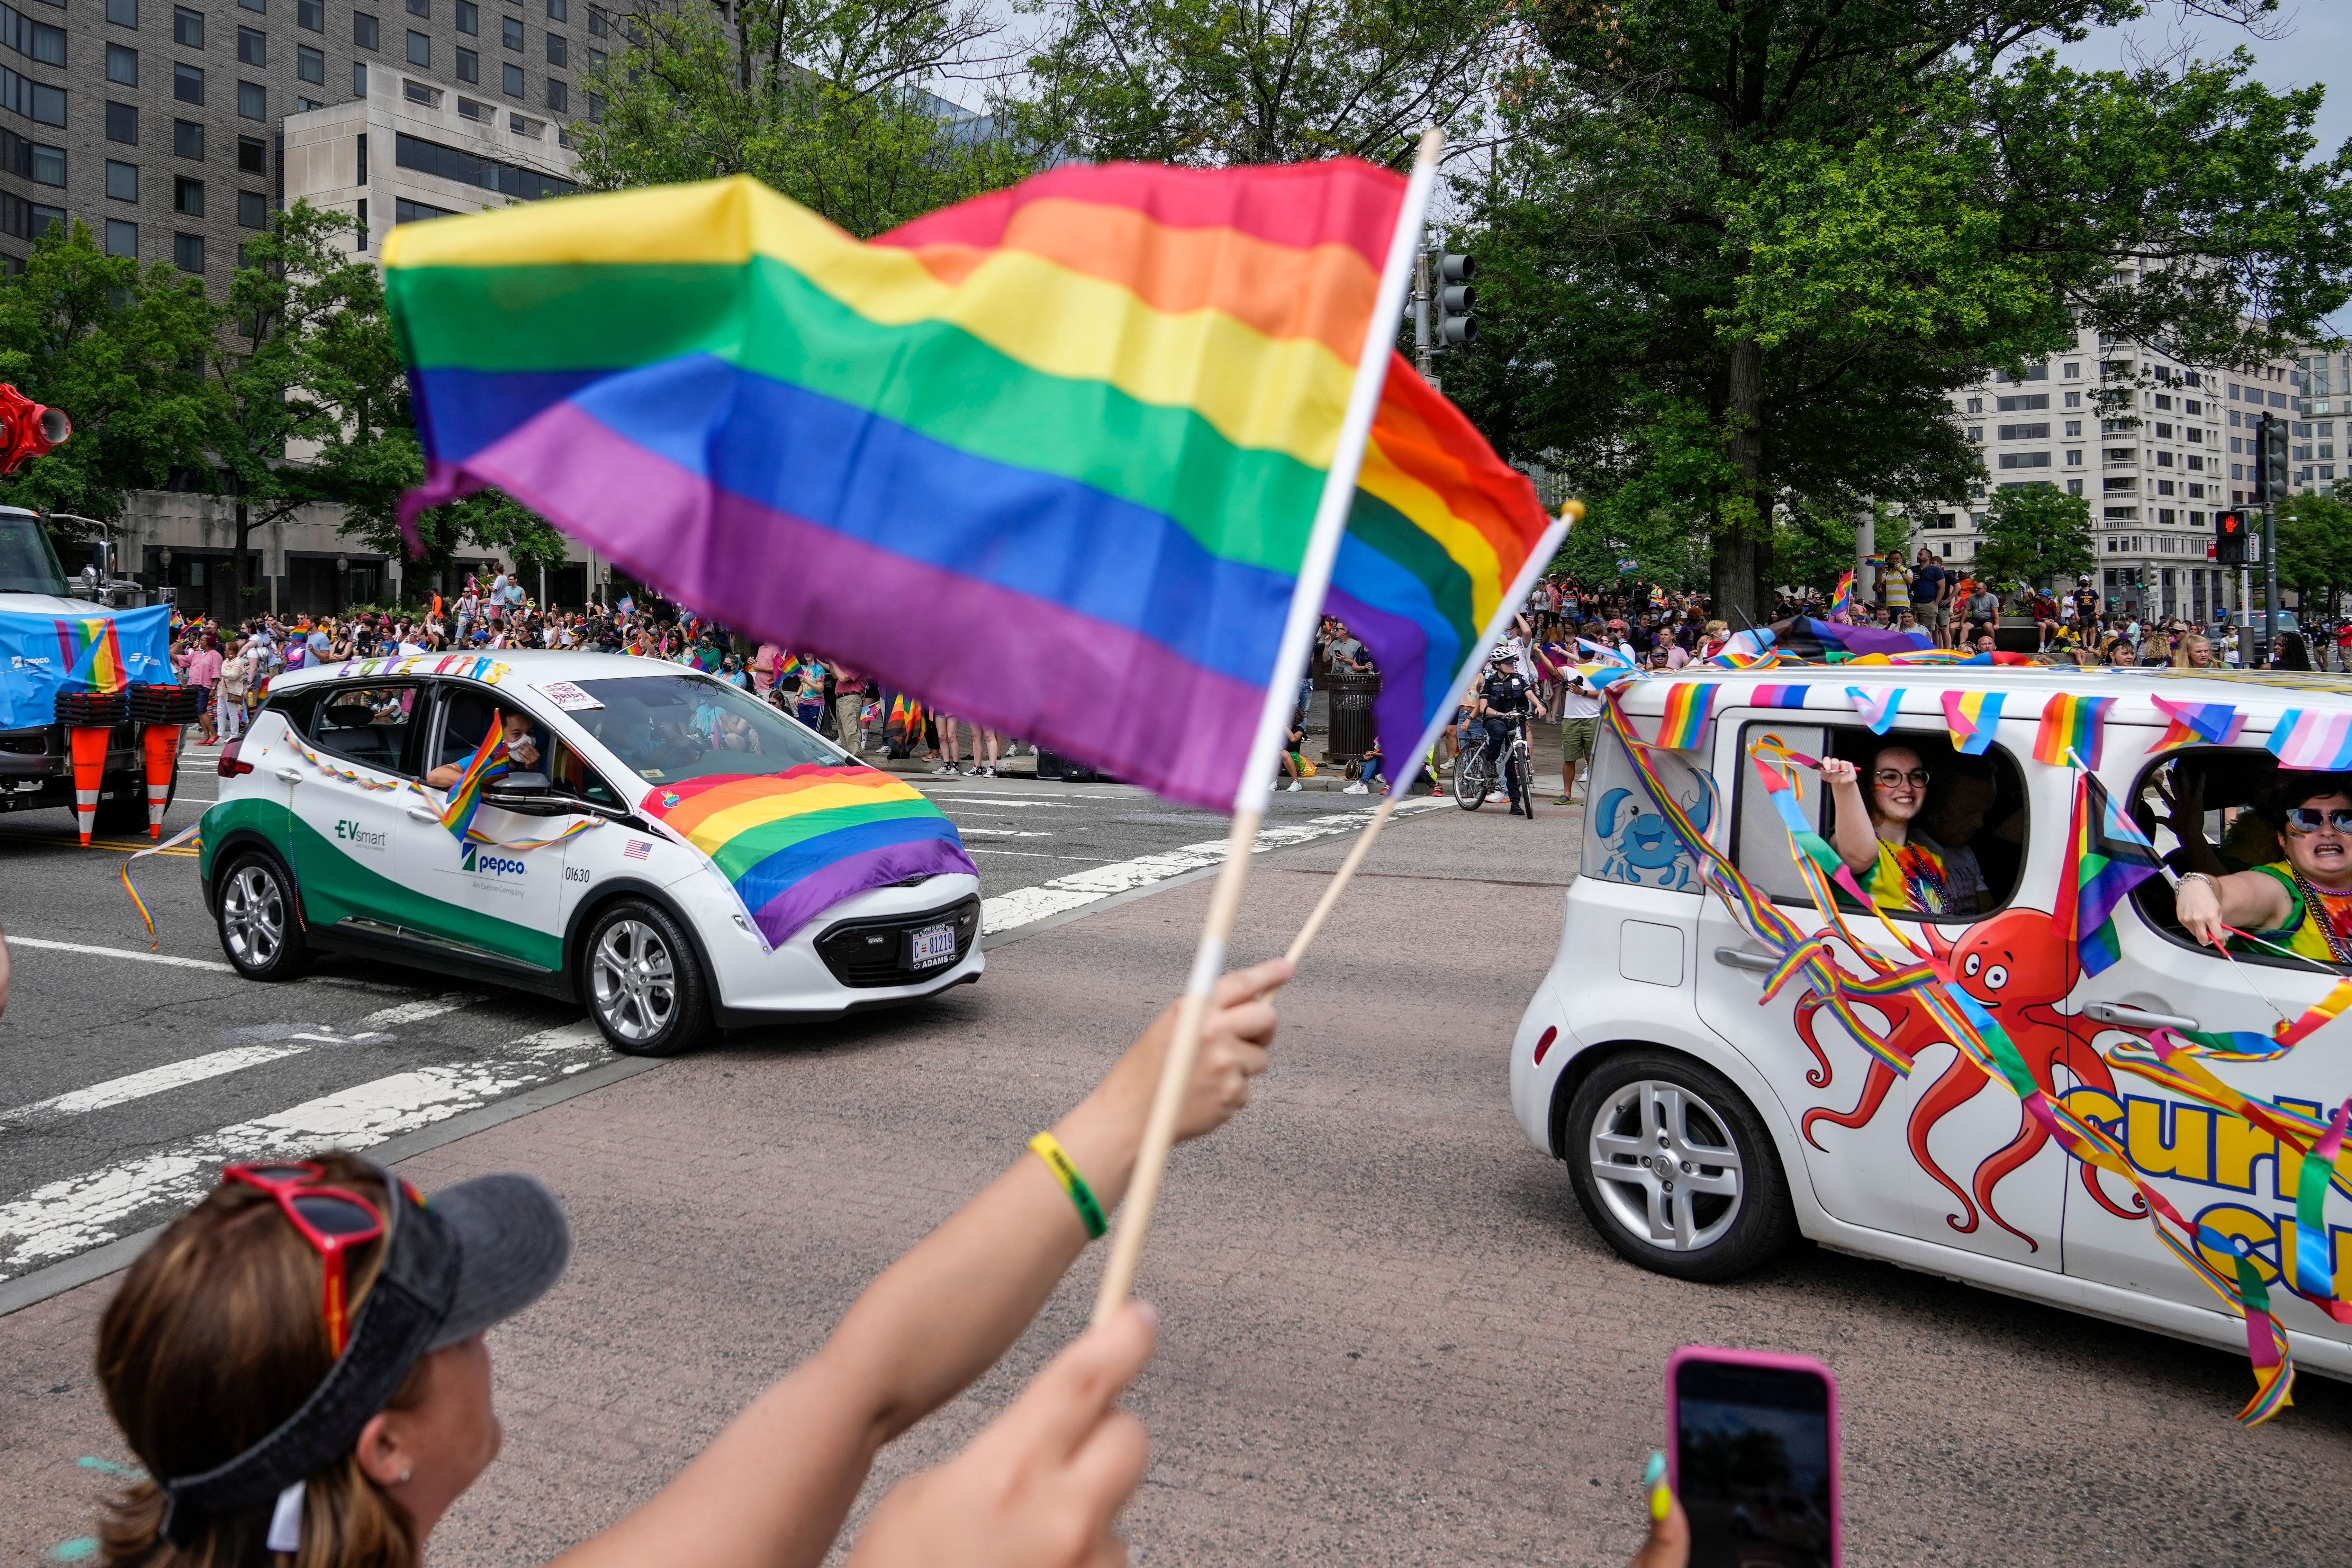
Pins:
x: 1134, y: 1222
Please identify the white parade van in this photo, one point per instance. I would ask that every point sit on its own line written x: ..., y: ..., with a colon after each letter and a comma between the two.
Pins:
x: 661, y: 846
x: 1703, y: 1126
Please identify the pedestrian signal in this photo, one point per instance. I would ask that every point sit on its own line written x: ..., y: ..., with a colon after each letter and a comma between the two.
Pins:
x: 2231, y: 530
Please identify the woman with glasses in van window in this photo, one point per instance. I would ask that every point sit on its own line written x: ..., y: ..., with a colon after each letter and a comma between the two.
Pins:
x: 1874, y: 835
x: 2302, y: 902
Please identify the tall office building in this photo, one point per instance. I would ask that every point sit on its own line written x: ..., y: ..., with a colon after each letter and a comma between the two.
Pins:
x: 2323, y: 400
x: 175, y: 130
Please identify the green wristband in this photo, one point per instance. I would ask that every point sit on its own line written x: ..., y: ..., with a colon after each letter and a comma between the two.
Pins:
x: 1065, y: 1171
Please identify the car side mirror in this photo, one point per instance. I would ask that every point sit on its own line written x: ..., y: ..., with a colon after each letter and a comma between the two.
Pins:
x: 519, y: 783
x: 528, y: 794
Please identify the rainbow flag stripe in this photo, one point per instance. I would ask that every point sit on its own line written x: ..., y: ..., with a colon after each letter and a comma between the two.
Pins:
x: 2072, y: 723
x: 1048, y: 460
x: 92, y: 651
x: 1972, y: 716
x: 489, y: 762
x: 1689, y: 705
x: 2313, y: 740
x: 794, y: 844
x: 2194, y: 723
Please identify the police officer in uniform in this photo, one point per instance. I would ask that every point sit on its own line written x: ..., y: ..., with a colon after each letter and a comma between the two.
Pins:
x: 1504, y: 697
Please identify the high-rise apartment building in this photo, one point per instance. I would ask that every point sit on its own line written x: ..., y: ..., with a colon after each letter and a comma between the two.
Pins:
x: 2323, y: 400
x: 2153, y: 469
x: 173, y: 129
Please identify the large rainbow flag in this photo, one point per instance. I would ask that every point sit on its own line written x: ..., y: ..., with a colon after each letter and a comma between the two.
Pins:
x: 794, y: 844
x: 1049, y: 458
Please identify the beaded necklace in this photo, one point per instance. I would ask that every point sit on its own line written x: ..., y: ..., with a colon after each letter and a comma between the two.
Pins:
x: 2324, y: 907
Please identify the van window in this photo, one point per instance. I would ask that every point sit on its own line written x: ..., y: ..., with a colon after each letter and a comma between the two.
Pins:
x: 1626, y: 838
x: 369, y: 725
x: 1975, y: 819
x: 2216, y: 809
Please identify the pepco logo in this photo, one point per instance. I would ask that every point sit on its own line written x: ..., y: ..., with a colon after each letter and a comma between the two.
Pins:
x: 483, y: 865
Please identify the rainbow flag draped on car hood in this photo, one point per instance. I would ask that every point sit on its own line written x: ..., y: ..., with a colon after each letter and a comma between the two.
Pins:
x: 1048, y: 460
x: 794, y: 844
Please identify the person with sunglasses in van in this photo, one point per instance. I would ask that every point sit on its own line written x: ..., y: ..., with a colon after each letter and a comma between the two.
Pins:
x: 2302, y: 902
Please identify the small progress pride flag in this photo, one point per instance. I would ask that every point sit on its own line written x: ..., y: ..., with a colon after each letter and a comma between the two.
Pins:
x: 1972, y: 716
x: 2214, y: 723
x: 2313, y: 740
x: 2072, y: 724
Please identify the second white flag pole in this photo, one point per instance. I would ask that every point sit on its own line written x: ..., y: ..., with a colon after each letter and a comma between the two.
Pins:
x: 1281, y: 698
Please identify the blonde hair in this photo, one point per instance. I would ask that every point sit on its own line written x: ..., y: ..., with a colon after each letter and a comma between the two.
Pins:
x: 217, y: 1336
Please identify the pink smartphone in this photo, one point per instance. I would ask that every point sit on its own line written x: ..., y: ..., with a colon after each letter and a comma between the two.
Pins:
x: 1752, y: 1444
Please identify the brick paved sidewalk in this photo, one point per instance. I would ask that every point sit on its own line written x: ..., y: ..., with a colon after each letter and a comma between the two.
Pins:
x: 1389, y: 1336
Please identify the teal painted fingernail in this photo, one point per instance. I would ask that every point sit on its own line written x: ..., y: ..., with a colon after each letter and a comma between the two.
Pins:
x: 79, y: 1549
x: 1657, y: 1470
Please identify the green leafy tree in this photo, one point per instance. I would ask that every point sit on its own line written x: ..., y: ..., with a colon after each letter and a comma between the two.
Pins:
x: 1262, y: 82
x: 1744, y: 252
x: 1813, y: 548
x: 122, y: 351
x: 2314, y: 548
x: 823, y: 100
x: 2033, y: 532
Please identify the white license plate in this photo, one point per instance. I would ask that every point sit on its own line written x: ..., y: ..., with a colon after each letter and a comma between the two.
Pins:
x: 934, y: 945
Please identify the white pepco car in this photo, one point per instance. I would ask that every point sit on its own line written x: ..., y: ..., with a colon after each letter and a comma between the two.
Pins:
x: 1703, y: 1128
x: 663, y: 847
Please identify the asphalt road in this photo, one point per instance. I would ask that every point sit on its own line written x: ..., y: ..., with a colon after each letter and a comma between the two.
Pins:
x: 127, y: 1077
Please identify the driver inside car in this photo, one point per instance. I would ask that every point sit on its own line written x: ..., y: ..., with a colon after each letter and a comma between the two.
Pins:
x: 522, y: 747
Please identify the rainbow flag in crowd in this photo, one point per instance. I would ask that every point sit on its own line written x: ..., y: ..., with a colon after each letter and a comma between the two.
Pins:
x: 1842, y: 601
x: 489, y: 762
x: 1972, y: 716
x: 2213, y: 724
x: 2072, y: 727
x: 1049, y: 458
x: 2304, y: 738
x: 2110, y: 856
x: 794, y: 844
x: 92, y: 651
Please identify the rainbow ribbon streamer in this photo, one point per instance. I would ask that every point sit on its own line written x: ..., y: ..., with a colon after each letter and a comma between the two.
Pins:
x: 1689, y: 705
x: 2314, y: 740
x: 2191, y: 723
x: 1876, y: 704
x: 2072, y: 726
x: 1980, y: 1041
x: 183, y: 836
x: 1972, y: 716
x: 489, y: 762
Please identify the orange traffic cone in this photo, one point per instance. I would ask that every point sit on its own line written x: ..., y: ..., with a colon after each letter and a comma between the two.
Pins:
x: 163, y: 742
x: 89, y: 772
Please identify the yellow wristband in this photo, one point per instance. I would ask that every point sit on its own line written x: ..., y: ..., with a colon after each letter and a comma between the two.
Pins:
x: 1065, y: 1171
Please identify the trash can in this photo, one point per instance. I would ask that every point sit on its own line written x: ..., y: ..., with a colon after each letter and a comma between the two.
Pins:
x: 1351, y: 715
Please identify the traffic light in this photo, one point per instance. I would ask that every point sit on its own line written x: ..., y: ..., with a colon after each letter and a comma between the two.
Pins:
x: 2230, y: 530
x: 28, y: 429
x: 2271, y: 462
x: 1455, y: 299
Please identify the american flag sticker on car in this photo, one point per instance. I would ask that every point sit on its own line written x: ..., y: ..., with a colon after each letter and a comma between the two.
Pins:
x: 636, y: 850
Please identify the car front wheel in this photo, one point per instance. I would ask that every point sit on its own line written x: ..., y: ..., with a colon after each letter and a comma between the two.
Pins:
x: 1674, y: 1168
x: 260, y: 923
x: 644, y: 984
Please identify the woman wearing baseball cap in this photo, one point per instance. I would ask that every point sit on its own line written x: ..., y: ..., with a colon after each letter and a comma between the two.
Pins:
x: 299, y: 1363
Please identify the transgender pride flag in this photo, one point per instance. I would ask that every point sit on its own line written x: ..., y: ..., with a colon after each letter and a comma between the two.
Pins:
x: 2321, y: 741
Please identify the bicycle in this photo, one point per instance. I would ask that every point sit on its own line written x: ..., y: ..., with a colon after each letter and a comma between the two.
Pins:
x: 1475, y: 777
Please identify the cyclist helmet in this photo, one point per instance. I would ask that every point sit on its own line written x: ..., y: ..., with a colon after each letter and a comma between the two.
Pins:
x: 1501, y: 656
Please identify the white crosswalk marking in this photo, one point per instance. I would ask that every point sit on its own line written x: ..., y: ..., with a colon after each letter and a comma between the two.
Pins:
x: 69, y: 1216
x: 139, y: 1085
x: 162, y: 958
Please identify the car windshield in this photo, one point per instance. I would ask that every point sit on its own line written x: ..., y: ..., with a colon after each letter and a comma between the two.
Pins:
x: 27, y: 563
x: 672, y: 727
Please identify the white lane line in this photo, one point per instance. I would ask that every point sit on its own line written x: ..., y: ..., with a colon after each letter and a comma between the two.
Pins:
x: 1035, y: 855
x: 72, y: 1215
x: 997, y: 833
x: 1023, y: 905
x: 216, y: 1063
x: 120, y: 953
x: 1018, y: 802
x: 155, y: 1080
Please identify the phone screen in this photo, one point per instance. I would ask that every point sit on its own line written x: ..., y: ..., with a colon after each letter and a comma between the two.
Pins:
x: 1754, y: 1467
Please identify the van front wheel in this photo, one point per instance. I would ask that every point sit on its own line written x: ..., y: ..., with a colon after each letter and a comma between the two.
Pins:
x: 1674, y: 1168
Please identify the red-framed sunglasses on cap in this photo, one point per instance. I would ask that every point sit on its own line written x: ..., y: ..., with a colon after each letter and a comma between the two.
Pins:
x: 331, y: 1219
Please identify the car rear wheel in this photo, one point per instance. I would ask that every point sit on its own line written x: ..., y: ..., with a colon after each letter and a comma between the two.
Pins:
x: 260, y: 923
x: 1674, y: 1168
x: 644, y: 984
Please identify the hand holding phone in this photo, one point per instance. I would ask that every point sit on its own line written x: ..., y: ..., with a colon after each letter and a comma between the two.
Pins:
x: 1753, y: 1444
